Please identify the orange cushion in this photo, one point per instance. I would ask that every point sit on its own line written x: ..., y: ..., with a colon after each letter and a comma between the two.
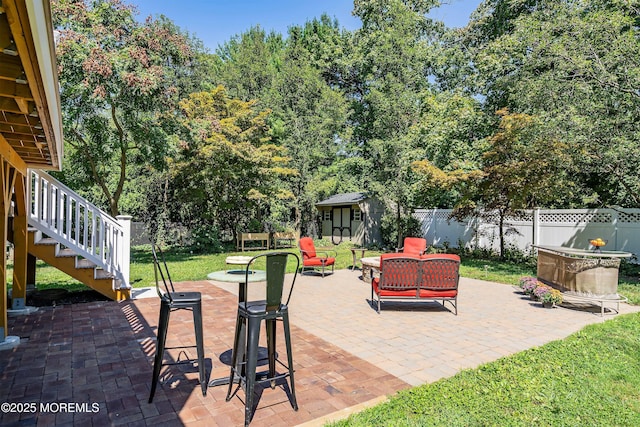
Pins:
x: 425, y: 293
x: 317, y: 262
x: 397, y: 255
x: 308, y: 248
x: 453, y: 257
x: 414, y: 245
x: 411, y: 293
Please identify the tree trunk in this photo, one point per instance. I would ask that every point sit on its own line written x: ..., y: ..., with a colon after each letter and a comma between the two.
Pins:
x: 399, y: 225
x: 298, y: 218
x: 113, y: 207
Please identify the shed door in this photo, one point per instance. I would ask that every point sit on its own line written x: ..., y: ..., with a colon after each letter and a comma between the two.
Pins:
x: 341, y: 217
x: 341, y: 224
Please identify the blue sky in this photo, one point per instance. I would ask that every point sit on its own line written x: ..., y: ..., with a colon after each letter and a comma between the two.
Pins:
x: 216, y: 21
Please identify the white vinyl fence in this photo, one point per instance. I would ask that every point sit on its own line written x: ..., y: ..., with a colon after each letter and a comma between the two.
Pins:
x: 571, y: 228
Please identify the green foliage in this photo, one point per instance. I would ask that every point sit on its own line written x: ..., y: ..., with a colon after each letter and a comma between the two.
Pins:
x: 409, y: 226
x: 312, y: 115
x: 452, y: 131
x: 120, y: 82
x: 249, y: 62
x: 522, y: 168
x: 226, y: 168
x: 575, y: 66
x: 589, y: 378
x: 205, y: 239
x: 393, y: 57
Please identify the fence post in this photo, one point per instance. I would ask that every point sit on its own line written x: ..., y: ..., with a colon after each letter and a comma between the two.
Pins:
x: 536, y: 226
x: 125, y: 249
x: 614, y: 216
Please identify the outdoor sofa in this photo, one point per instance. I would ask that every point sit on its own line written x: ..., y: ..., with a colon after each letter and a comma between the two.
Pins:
x: 432, y: 277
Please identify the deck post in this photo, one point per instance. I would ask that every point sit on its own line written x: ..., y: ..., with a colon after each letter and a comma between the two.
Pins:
x: 8, y: 174
x: 125, y: 249
x: 20, y: 250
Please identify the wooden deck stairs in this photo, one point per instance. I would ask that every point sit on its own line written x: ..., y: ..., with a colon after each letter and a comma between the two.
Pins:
x: 66, y: 260
x: 71, y: 234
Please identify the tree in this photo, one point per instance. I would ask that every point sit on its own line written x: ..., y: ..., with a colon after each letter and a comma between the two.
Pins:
x: 225, y: 168
x: 249, y: 62
x: 452, y: 132
x: 575, y: 66
x: 523, y: 167
x: 309, y: 116
x: 394, y: 58
x: 120, y: 83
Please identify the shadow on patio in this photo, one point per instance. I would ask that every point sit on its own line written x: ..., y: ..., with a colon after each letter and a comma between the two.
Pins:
x: 102, y: 353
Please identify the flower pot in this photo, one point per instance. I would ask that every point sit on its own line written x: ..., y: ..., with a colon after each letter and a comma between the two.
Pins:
x: 547, y: 304
x: 533, y: 297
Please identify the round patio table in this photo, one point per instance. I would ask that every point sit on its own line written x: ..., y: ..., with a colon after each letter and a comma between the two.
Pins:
x: 238, y: 276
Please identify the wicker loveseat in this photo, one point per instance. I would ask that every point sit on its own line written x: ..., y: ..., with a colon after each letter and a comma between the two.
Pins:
x: 432, y: 277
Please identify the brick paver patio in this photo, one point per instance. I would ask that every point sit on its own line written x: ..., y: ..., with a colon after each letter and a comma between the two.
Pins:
x: 346, y: 355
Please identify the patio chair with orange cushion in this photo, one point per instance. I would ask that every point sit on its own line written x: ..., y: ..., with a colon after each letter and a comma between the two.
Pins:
x: 311, y: 259
x: 413, y: 246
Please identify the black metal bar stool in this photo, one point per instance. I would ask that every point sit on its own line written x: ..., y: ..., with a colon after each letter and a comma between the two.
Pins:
x: 250, y: 316
x: 170, y: 300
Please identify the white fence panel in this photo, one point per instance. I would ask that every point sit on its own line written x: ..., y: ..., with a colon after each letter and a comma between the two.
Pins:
x: 628, y: 231
x: 440, y: 231
x: 551, y: 227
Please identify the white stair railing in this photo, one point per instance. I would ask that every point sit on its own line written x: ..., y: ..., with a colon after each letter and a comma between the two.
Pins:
x: 57, y: 211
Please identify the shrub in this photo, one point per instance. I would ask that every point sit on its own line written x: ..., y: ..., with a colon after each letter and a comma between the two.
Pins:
x: 389, y: 228
x: 205, y: 239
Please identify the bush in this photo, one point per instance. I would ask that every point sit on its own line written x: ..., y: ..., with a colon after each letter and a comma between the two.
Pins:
x: 205, y: 239
x: 389, y: 228
x: 255, y: 226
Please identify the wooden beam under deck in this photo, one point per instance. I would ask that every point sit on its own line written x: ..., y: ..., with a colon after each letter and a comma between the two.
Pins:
x: 20, y: 242
x: 8, y: 175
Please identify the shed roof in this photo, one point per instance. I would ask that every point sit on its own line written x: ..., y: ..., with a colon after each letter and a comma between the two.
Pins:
x: 343, y: 199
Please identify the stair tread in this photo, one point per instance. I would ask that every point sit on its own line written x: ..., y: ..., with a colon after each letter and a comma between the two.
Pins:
x: 66, y: 253
x: 102, y: 274
x: 47, y: 241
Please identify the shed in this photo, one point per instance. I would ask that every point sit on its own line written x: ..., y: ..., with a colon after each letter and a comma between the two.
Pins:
x: 352, y: 217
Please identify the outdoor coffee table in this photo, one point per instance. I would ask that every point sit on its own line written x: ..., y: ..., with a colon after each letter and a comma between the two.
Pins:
x: 353, y: 253
x: 238, y: 276
x: 369, y: 266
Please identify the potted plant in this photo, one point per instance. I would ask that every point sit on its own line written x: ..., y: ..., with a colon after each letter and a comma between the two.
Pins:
x: 548, y: 296
x: 541, y: 291
x: 528, y: 284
